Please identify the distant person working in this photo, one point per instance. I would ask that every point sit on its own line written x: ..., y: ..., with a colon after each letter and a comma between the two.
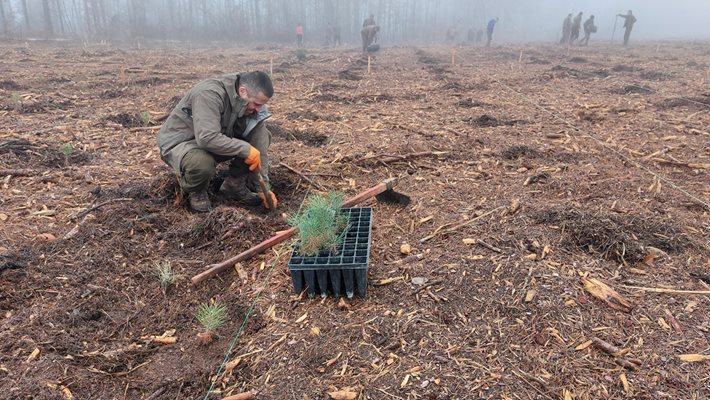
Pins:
x: 489, y: 30
x: 589, y: 28
x: 629, y: 21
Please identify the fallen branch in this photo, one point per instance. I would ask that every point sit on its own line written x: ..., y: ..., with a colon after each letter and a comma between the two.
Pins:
x: 669, y: 291
x: 682, y: 164
x: 82, y: 213
x: 629, y: 363
x: 456, y: 227
x: 242, y: 396
x: 673, y: 321
x: 606, y: 347
x: 302, y: 175
x: 426, y: 285
x: 75, y: 230
x: 16, y: 172
x: 388, y: 158
x: 488, y: 246
x: 406, y: 260
x: 145, y: 128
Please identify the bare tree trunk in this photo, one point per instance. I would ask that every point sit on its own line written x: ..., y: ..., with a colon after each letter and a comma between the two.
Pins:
x: 2, y: 16
x: 60, y: 18
x: 87, y: 18
x: 26, y: 15
x: 49, y: 30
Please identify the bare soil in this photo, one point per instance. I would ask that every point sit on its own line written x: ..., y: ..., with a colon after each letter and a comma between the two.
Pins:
x: 594, y: 162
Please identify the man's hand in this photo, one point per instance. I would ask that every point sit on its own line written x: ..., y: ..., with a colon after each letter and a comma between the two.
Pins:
x: 273, y: 200
x: 253, y: 159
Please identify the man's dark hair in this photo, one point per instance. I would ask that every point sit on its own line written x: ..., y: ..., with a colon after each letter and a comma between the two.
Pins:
x: 257, y: 82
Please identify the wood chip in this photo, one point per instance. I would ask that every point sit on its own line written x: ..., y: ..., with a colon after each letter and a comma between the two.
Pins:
x: 604, y: 292
x: 694, y: 357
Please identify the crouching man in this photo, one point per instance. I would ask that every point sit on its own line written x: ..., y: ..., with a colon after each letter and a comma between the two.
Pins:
x: 218, y: 120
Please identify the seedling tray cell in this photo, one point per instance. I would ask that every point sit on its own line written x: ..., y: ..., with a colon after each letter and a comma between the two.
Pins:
x: 344, y: 272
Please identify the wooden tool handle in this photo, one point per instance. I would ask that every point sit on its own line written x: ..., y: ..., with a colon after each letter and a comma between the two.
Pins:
x: 265, y: 190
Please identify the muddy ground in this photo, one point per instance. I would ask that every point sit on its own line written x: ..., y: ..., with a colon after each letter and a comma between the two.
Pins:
x: 546, y: 166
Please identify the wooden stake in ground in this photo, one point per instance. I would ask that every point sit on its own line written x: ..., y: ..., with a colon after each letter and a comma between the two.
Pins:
x: 453, y: 56
x: 369, y: 60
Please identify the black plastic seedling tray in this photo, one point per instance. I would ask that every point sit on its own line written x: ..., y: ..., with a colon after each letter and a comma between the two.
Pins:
x: 345, y: 272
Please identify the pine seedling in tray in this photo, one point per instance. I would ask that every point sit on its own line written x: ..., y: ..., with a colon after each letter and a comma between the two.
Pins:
x: 321, y: 225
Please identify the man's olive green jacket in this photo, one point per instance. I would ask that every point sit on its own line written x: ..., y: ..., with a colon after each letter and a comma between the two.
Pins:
x: 209, y: 117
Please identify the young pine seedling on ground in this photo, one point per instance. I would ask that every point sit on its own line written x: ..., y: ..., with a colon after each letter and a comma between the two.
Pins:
x: 67, y: 150
x: 211, y: 316
x: 166, y: 275
x: 145, y: 118
x: 321, y: 225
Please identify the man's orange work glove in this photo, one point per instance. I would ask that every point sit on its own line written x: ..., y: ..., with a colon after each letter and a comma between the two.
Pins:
x: 253, y: 159
x: 273, y: 199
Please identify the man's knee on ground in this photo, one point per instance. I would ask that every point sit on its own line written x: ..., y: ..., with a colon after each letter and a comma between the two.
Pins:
x: 198, y: 167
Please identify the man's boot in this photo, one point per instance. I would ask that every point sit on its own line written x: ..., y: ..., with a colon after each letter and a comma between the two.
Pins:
x: 199, y: 201
x: 234, y: 187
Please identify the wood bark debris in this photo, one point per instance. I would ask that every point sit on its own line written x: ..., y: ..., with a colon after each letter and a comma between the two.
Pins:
x: 668, y: 291
x: 302, y: 175
x: 242, y: 396
x: 17, y: 172
x: 604, y: 292
x: 441, y: 231
x: 617, y: 353
x: 97, y: 206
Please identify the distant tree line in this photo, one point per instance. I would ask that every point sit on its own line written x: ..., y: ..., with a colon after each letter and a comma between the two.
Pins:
x: 240, y: 21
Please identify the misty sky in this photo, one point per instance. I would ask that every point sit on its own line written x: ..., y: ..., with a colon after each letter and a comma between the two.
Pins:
x: 402, y: 21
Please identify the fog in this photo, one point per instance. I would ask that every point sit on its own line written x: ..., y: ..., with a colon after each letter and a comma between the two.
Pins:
x: 402, y: 21
x: 657, y: 19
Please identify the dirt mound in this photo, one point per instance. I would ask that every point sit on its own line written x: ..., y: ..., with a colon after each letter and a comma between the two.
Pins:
x: 654, y: 75
x: 331, y: 98
x: 629, y: 89
x: 8, y: 84
x: 539, y: 61
x: 624, y: 68
x: 559, y: 71
x: 41, y: 155
x: 469, y: 103
x: 515, y: 152
x: 125, y: 120
x: 349, y: 75
x: 689, y: 102
x: 373, y: 99
x: 38, y: 106
x: 622, y: 239
x: 311, y: 139
x: 310, y: 116
x: 486, y: 120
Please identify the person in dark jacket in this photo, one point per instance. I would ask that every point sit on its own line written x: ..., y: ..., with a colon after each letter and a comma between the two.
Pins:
x: 589, y: 28
x: 489, y: 30
x: 576, y: 27
x: 566, y: 29
x: 629, y: 21
x: 220, y: 119
x: 369, y: 21
x: 369, y: 35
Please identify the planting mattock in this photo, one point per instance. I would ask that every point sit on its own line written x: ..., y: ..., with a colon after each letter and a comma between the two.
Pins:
x: 265, y: 190
x: 383, y: 188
